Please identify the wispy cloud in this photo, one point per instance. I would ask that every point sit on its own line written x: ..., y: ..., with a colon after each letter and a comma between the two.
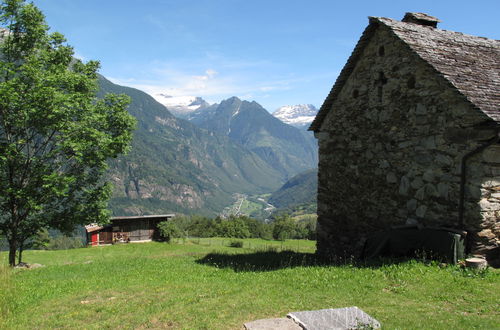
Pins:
x: 207, y: 82
x: 215, y: 78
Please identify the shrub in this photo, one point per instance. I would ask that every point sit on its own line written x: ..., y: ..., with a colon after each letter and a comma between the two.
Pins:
x: 234, y: 227
x: 236, y: 244
x: 169, y: 230
x: 284, y: 228
x: 65, y: 242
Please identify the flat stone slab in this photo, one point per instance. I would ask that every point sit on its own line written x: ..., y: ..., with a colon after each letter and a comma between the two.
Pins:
x: 338, y: 318
x: 272, y: 324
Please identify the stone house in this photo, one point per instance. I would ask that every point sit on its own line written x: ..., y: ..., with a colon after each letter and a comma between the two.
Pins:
x: 409, y: 134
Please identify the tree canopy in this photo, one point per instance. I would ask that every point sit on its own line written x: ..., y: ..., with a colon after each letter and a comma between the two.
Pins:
x: 55, y: 135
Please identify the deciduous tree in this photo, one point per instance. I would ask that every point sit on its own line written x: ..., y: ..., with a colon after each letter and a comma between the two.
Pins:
x: 55, y: 135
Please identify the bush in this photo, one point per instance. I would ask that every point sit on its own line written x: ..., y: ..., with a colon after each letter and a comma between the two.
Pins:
x: 44, y: 240
x: 65, y: 242
x: 284, y: 228
x: 234, y: 227
x: 236, y: 244
x: 169, y: 230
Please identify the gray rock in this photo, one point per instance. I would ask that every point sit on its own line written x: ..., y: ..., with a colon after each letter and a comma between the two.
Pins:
x: 383, y: 163
x: 429, y: 143
x: 428, y: 176
x: 443, y: 159
x: 443, y: 190
x: 417, y: 183
x: 492, y: 154
x: 339, y: 318
x: 422, y: 159
x: 391, y: 177
x: 404, y: 185
x: 405, y: 144
x: 421, y: 211
x: 430, y: 190
x: 420, y: 194
x: 411, y: 205
x: 272, y: 324
x: 421, y: 109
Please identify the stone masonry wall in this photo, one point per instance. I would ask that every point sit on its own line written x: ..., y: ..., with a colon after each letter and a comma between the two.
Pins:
x: 390, y: 152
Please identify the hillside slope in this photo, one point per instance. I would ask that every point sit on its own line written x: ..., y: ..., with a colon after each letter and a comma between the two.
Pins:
x: 174, y: 166
x: 299, y: 190
x: 285, y: 148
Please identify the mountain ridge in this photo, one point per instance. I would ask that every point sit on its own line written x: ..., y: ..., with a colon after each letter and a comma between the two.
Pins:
x: 300, y: 115
x: 287, y: 149
x: 174, y: 166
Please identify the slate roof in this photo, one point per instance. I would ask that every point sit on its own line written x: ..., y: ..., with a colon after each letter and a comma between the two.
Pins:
x: 471, y: 64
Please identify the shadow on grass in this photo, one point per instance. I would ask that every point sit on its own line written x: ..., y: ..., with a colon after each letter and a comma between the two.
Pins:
x: 261, y: 260
x: 273, y: 260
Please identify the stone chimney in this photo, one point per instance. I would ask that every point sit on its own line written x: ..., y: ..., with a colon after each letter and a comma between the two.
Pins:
x: 421, y: 19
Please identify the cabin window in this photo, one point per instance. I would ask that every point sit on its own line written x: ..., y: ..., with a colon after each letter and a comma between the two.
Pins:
x: 380, y: 82
x: 411, y: 82
x: 381, y: 51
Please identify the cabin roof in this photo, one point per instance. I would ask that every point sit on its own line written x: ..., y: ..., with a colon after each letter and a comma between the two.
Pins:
x: 137, y: 217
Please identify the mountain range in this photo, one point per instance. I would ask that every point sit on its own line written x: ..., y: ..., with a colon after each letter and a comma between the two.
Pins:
x: 174, y: 166
x: 285, y: 148
x: 300, y: 115
x: 197, y: 166
x: 181, y: 106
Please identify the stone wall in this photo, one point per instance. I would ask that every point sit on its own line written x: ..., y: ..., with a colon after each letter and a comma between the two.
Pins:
x: 390, y: 153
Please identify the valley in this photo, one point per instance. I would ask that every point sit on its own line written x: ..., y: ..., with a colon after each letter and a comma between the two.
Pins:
x: 255, y: 206
x: 199, y: 164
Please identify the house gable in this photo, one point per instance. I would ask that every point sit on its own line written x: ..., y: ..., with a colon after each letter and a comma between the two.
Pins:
x: 391, y: 146
x: 468, y: 63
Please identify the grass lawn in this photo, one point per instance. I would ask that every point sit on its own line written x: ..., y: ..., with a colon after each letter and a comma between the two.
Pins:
x: 210, y: 286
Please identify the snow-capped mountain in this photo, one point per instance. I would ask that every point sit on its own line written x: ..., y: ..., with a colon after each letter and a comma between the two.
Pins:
x: 181, y: 106
x: 300, y: 115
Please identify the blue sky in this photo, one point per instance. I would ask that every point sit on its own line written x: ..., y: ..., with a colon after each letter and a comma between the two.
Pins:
x: 275, y: 52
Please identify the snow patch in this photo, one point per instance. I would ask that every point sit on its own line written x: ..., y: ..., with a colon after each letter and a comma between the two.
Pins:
x: 299, y: 115
x: 181, y: 104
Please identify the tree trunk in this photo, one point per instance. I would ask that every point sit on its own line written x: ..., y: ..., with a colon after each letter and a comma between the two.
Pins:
x: 12, y: 252
x: 20, y: 256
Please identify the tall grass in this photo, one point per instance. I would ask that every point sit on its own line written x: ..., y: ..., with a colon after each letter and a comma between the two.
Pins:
x: 7, y: 291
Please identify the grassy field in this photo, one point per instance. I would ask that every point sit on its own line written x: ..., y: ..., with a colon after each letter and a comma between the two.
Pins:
x: 204, y: 285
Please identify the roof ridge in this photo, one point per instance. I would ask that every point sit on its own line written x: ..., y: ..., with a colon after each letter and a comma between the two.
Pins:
x: 454, y: 55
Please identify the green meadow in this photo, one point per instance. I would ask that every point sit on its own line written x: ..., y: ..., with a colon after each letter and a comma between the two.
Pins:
x: 205, y: 284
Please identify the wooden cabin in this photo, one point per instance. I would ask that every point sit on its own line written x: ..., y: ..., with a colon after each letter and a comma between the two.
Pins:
x: 143, y: 228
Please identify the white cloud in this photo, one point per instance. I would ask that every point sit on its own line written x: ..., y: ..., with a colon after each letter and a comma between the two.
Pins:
x: 216, y: 79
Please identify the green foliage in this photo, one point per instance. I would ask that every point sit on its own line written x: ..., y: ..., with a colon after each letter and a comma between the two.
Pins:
x: 284, y: 228
x: 41, y: 241
x: 257, y: 228
x: 197, y: 226
x: 169, y: 230
x: 233, y: 227
x: 55, y: 136
x: 63, y: 242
